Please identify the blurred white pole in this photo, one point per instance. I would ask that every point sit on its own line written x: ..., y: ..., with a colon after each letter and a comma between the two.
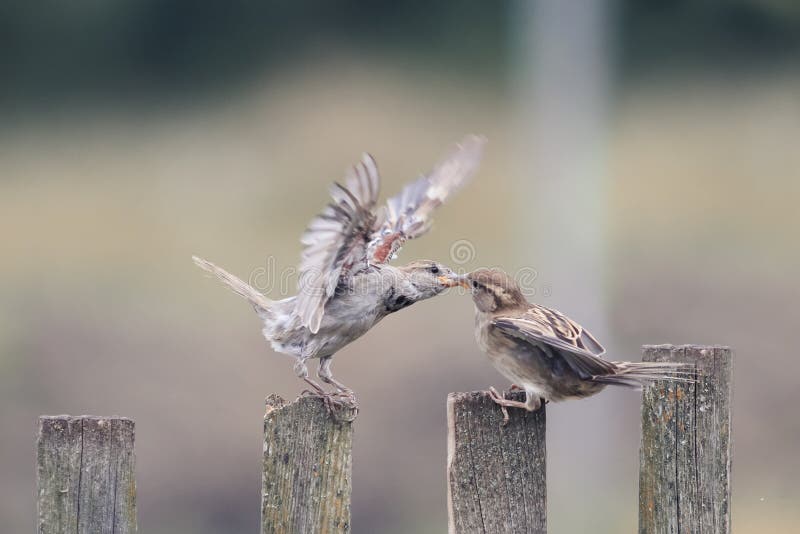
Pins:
x: 562, y: 70
x: 561, y: 89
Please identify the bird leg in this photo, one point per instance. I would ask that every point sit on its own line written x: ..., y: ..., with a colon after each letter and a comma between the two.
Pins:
x: 347, y: 395
x: 325, y: 374
x: 301, y: 369
x: 505, y: 403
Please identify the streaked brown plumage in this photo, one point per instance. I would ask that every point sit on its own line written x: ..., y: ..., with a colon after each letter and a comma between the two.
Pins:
x: 548, y: 355
x: 345, y: 284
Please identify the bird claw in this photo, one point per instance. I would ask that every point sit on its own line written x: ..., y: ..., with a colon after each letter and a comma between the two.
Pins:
x: 498, y: 399
x: 505, y: 403
x: 342, y: 406
x: 336, y: 403
x: 505, y: 416
x: 348, y: 394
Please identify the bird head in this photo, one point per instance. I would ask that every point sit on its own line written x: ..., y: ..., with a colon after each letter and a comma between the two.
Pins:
x: 494, y: 290
x: 429, y: 278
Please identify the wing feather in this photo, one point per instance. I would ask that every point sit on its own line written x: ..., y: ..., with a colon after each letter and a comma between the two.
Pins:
x: 408, y: 214
x: 336, y: 240
x: 349, y: 234
x: 567, y: 339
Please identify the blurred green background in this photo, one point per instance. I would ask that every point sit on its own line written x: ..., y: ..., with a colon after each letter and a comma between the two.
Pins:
x: 642, y: 160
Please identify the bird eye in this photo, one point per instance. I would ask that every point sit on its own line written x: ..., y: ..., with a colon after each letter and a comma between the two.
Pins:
x: 475, y: 284
x: 434, y: 269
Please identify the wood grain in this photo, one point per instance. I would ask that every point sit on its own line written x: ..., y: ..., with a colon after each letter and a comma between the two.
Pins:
x: 496, y: 475
x: 685, y: 455
x: 307, y: 475
x: 85, y: 475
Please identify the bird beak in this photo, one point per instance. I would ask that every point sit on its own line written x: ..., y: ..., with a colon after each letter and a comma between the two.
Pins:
x: 453, y: 281
x: 450, y: 281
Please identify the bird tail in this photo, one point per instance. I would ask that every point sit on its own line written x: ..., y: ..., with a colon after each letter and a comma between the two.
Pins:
x: 638, y: 374
x: 239, y: 286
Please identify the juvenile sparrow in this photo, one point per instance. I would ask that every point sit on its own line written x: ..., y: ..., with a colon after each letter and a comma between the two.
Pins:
x: 345, y: 285
x: 548, y: 355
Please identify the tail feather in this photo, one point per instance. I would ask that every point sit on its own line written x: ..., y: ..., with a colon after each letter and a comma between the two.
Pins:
x: 236, y: 284
x: 638, y: 374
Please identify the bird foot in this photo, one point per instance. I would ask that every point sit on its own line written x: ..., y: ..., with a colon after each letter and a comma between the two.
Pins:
x: 342, y: 406
x: 348, y: 395
x: 504, y: 404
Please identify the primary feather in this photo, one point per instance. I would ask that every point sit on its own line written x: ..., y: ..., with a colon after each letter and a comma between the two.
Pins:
x: 351, y: 234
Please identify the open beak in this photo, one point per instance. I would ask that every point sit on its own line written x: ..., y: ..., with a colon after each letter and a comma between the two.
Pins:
x: 453, y: 281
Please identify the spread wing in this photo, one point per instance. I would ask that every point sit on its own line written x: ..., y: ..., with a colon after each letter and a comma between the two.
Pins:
x: 349, y: 234
x: 560, y: 337
x: 408, y: 214
x: 336, y: 240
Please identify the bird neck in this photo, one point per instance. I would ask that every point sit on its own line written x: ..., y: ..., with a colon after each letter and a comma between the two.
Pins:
x: 401, y: 294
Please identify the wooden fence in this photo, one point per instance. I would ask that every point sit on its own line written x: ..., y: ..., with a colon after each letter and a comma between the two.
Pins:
x: 496, y: 475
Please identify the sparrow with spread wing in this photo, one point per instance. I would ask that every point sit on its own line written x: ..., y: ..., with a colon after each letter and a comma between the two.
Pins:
x: 345, y: 284
x: 545, y: 353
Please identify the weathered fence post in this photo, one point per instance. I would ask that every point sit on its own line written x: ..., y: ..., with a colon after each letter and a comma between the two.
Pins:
x: 685, y: 456
x: 306, y: 482
x: 85, y: 475
x: 496, y: 475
